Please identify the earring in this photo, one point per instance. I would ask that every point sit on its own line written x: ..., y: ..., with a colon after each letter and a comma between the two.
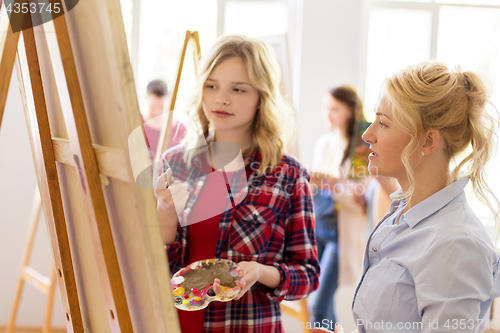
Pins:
x: 423, y: 153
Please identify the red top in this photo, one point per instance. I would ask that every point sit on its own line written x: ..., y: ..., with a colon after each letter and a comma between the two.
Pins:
x: 202, y: 237
x: 152, y: 130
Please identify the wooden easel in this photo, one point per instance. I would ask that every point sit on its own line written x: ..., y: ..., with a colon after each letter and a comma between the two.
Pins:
x: 95, y: 292
x: 193, y: 38
x: 70, y: 298
x: 29, y: 275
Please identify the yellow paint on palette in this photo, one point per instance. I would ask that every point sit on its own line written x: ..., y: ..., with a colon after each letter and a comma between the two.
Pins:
x: 179, y: 291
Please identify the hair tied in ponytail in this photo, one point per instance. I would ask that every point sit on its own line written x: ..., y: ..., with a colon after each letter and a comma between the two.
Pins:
x: 467, y: 81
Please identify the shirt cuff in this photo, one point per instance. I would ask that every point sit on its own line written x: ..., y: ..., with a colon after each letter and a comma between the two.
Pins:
x: 278, y: 294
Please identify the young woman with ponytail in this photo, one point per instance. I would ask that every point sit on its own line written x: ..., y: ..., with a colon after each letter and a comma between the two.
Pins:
x: 430, y: 265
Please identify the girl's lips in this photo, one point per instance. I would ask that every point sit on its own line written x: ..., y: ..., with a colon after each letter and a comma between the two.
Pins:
x: 372, y: 155
x: 222, y: 114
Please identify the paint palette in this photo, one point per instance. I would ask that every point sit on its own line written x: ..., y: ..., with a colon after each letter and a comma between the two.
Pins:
x: 192, y: 286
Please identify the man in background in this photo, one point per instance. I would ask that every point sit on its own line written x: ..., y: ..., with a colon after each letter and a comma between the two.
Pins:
x: 157, y: 93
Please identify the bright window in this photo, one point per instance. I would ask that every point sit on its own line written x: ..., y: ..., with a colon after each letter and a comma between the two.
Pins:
x: 396, y: 37
x: 159, y: 28
x: 473, y: 46
x: 127, y: 12
x: 162, y: 31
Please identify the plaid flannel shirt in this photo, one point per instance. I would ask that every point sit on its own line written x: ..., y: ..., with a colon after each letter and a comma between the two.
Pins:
x: 273, y: 225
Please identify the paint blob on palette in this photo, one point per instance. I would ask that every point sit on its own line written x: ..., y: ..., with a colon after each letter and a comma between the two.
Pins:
x: 193, y: 285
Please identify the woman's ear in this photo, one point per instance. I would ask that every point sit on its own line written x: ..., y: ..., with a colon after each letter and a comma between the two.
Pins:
x: 431, y: 141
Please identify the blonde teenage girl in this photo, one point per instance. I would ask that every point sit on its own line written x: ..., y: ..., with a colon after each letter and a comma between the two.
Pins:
x: 270, y: 234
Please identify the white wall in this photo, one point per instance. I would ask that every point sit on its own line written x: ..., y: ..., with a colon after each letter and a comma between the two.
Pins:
x: 327, y: 54
x: 17, y: 188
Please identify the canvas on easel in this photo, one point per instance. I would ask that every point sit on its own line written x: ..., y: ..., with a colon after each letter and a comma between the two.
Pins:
x: 359, y: 152
x: 80, y: 106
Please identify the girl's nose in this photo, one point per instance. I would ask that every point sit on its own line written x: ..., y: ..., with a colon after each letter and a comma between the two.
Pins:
x: 222, y: 98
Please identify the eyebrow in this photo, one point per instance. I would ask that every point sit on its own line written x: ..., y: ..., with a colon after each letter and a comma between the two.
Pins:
x: 233, y: 82
x: 378, y: 113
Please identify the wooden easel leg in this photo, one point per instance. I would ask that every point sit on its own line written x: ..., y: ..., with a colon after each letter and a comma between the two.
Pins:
x: 195, y: 37
x: 35, y: 216
x: 8, y: 55
x: 164, y: 138
x: 48, y: 177
x: 49, y: 307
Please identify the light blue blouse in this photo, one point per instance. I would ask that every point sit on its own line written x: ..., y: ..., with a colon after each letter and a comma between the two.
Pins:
x: 437, y: 271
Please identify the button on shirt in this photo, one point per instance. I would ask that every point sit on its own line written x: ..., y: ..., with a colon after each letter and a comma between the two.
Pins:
x: 435, y: 271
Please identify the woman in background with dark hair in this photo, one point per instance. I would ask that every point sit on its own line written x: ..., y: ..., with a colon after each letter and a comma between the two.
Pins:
x: 342, y: 108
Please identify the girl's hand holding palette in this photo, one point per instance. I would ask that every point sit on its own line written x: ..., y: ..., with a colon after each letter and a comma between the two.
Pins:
x: 194, y: 288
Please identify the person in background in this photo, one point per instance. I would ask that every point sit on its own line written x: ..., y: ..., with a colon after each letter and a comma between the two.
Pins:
x: 156, y: 98
x: 270, y: 233
x: 430, y: 265
x: 342, y: 108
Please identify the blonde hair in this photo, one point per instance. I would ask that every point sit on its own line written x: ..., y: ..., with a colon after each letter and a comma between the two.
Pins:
x: 274, y: 118
x: 430, y: 96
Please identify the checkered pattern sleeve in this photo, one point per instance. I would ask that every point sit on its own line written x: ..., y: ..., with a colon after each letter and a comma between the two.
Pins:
x: 299, y: 268
x: 174, y: 252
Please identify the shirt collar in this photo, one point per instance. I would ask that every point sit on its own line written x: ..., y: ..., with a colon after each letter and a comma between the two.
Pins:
x: 432, y: 204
